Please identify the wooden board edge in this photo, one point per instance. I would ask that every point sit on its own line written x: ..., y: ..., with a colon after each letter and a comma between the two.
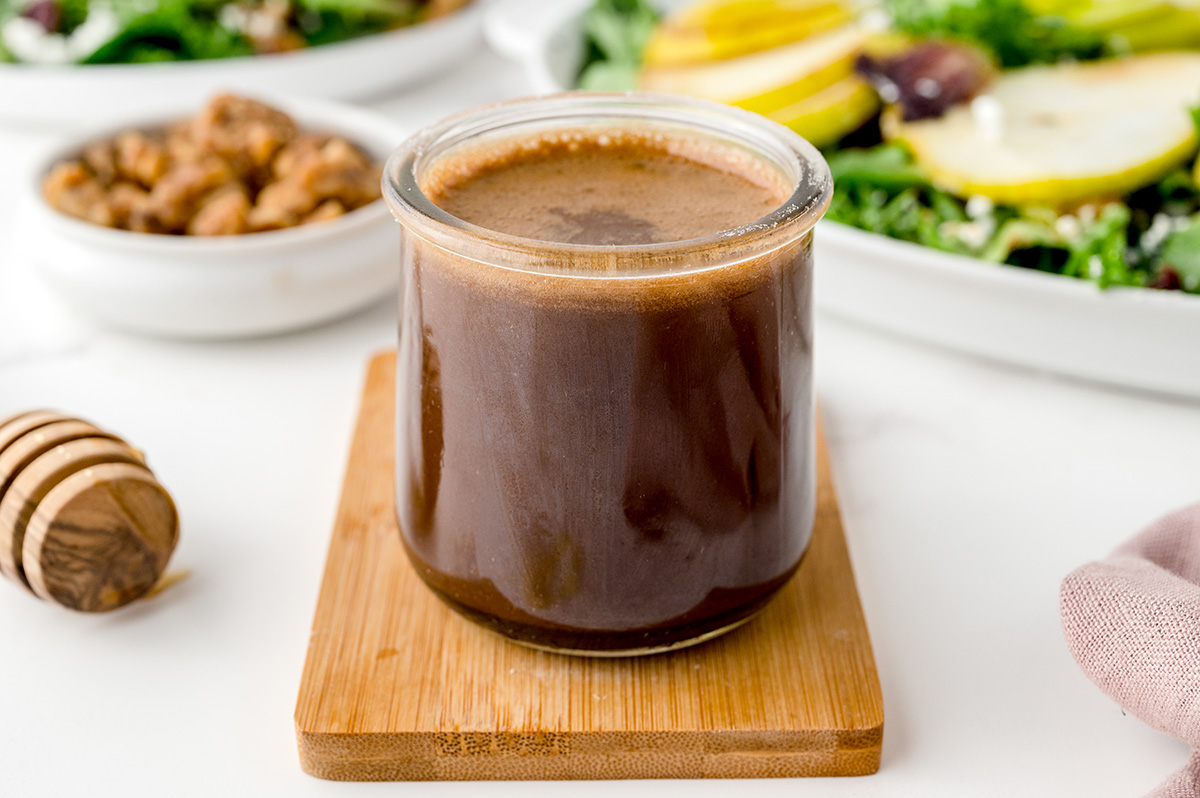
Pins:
x: 417, y: 756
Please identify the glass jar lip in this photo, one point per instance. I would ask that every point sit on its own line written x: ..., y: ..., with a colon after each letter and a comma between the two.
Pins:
x: 792, y: 219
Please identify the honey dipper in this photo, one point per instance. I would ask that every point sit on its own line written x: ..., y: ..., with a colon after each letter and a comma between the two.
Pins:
x: 83, y: 521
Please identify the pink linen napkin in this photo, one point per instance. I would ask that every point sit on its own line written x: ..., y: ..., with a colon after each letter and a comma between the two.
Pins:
x: 1132, y: 622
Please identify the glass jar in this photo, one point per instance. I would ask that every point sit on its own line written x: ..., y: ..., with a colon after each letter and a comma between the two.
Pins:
x: 606, y: 449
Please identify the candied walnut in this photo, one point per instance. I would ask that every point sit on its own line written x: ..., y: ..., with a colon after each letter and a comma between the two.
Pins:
x: 180, y: 146
x: 239, y: 166
x: 101, y: 158
x: 222, y: 213
x: 143, y: 220
x: 174, y: 197
x: 362, y: 189
x: 263, y: 218
x: 72, y: 189
x: 310, y: 176
x: 338, y: 171
x: 130, y: 206
x: 291, y: 155
x: 244, y: 132
x: 346, y: 174
x: 329, y: 209
x: 140, y: 158
x: 339, y: 152
x: 288, y: 196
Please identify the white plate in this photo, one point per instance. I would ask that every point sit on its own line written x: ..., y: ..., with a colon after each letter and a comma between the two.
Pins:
x: 69, y: 96
x: 226, y: 287
x: 1137, y: 338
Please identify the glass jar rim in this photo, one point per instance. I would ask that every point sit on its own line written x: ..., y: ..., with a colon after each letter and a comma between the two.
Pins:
x: 791, y: 220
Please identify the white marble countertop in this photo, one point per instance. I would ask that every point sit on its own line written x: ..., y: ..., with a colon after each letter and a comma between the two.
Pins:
x: 968, y: 491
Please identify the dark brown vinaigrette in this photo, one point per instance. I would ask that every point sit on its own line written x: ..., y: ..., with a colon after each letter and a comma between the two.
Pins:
x: 620, y: 188
x: 606, y: 465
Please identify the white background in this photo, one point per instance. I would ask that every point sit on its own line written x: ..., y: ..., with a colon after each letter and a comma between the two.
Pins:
x: 968, y: 491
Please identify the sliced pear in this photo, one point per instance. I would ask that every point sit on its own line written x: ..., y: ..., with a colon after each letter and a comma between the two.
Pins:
x: 730, y: 28
x: 1130, y: 25
x: 808, y: 85
x: 1064, y: 134
x: 739, y: 15
x: 1177, y: 30
x: 772, y: 101
x: 758, y: 74
x: 831, y: 113
x: 1112, y: 15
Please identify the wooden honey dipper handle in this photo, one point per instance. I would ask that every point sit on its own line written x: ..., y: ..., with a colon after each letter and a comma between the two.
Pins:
x: 83, y: 521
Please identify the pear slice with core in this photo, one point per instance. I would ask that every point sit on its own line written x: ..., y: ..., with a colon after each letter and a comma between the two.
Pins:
x: 1065, y: 134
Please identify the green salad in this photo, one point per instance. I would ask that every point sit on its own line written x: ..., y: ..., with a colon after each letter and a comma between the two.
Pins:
x: 1052, y: 135
x: 52, y: 32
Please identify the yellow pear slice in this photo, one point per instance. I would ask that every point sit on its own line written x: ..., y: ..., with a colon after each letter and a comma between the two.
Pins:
x: 734, y: 16
x: 831, y: 113
x: 729, y: 28
x: 748, y: 76
x: 1063, y: 134
x: 774, y: 100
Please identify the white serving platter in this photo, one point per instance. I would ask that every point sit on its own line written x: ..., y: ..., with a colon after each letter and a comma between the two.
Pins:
x: 88, y: 95
x: 1136, y: 338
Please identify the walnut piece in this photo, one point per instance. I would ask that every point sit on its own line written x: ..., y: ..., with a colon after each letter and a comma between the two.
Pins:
x: 237, y: 167
x: 289, y: 157
x: 309, y: 176
x: 72, y: 189
x: 244, y: 132
x: 130, y: 206
x: 139, y: 158
x: 222, y: 214
x: 101, y: 158
x: 176, y: 197
x: 329, y: 209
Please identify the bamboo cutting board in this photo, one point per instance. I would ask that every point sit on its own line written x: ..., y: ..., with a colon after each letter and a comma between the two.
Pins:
x: 398, y: 687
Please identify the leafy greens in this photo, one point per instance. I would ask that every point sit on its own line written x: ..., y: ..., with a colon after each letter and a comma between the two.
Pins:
x: 174, y: 30
x: 1150, y: 238
x: 615, y: 33
x: 1007, y: 29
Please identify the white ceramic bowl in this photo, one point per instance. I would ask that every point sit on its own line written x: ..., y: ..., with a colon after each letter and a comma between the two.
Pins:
x: 230, y: 286
x: 1134, y: 337
x: 75, y: 95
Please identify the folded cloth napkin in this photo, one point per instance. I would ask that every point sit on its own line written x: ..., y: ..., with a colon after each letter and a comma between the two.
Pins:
x: 1132, y: 622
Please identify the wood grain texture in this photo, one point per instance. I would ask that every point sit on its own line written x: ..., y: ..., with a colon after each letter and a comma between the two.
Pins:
x: 100, y: 538
x: 37, y: 479
x: 398, y: 687
x: 14, y: 427
x: 27, y: 448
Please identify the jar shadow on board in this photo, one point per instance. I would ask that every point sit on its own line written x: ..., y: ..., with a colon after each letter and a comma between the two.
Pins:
x: 605, y: 433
